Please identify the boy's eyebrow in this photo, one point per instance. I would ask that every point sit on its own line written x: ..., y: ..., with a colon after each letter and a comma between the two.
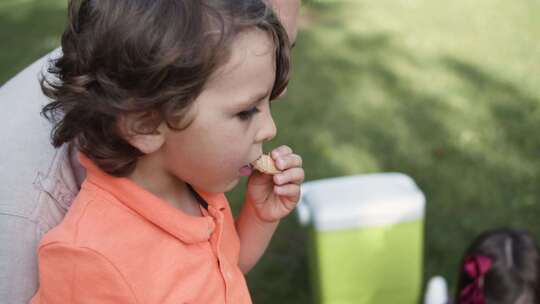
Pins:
x: 253, y: 100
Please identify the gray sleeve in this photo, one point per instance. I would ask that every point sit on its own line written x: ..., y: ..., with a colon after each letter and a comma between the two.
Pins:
x: 19, y: 237
x: 37, y: 182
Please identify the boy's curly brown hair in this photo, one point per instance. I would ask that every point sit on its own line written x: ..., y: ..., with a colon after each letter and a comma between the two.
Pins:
x: 151, y: 58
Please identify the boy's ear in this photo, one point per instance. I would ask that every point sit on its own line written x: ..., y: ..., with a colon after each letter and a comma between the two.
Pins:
x: 146, y: 143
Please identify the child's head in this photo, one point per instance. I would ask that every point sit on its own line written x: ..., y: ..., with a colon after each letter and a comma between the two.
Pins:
x: 500, y: 267
x: 139, y: 77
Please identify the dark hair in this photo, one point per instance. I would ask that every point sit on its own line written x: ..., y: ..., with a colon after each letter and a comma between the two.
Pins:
x: 147, y: 57
x: 514, y: 274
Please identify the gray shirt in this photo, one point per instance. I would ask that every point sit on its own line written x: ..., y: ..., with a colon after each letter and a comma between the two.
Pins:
x: 37, y: 182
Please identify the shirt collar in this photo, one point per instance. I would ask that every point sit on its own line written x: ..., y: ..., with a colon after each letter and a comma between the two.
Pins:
x: 187, y: 228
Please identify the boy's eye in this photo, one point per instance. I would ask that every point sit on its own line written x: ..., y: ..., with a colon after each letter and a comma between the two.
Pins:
x: 245, y: 115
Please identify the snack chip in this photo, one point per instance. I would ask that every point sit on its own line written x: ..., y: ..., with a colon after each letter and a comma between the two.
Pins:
x: 265, y: 164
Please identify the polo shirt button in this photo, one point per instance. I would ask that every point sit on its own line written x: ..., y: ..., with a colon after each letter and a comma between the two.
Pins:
x: 229, y: 275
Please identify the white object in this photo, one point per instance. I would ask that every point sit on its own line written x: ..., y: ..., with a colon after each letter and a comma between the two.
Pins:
x: 436, y: 291
x: 360, y: 201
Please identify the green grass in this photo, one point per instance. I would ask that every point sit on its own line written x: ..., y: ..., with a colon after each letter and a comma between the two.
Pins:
x: 28, y: 30
x: 446, y: 92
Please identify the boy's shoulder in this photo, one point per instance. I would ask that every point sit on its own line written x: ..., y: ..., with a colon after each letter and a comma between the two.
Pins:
x: 95, y: 220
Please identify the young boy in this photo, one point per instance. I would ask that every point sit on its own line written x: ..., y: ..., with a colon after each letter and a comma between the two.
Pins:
x: 168, y: 104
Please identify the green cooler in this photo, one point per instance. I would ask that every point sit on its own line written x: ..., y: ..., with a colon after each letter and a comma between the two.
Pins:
x: 366, y: 238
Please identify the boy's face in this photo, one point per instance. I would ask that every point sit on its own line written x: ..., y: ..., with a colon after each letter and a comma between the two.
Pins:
x: 232, y: 119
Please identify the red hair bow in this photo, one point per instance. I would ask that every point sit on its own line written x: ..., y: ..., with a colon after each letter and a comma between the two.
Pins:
x: 476, y: 266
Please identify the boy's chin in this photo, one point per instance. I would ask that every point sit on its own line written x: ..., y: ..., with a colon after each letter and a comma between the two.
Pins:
x: 232, y: 185
x: 226, y: 187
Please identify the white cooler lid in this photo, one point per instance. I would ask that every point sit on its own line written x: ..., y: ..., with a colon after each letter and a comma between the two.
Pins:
x: 360, y: 201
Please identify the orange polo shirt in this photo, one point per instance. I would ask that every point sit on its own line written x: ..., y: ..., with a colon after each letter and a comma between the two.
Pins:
x: 121, y: 244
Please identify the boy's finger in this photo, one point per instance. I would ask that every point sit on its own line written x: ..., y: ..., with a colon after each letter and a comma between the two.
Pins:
x: 294, y: 176
x: 282, y: 150
x: 289, y: 161
x: 290, y: 190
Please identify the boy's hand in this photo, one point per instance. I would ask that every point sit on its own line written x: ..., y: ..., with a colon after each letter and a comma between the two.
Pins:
x: 275, y: 196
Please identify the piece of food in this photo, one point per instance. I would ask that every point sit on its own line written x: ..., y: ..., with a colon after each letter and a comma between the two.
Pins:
x: 265, y: 164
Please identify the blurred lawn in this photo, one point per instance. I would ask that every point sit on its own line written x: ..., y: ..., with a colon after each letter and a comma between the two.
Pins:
x: 446, y: 92
x: 28, y: 30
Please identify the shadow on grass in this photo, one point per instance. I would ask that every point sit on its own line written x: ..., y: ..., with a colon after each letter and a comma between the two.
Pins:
x: 28, y: 31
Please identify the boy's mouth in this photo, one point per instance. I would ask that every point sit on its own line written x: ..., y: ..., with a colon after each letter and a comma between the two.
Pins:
x: 246, y: 170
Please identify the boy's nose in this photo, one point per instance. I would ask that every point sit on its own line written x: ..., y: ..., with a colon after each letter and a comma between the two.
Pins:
x: 268, y: 130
